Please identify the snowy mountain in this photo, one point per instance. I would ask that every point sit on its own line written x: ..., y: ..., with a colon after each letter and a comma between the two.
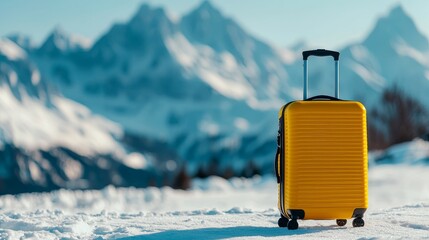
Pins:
x: 19, y: 74
x: 200, y: 89
x: 22, y: 40
x: 152, y: 96
x: 394, y: 52
x: 59, y: 43
x: 401, y: 53
x: 48, y: 141
x: 257, y: 69
x: 155, y: 77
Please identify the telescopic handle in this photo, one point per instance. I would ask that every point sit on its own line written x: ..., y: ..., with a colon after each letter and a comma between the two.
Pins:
x: 322, y: 53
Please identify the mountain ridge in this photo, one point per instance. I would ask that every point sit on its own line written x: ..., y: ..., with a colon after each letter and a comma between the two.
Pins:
x: 203, y: 88
x: 49, y: 142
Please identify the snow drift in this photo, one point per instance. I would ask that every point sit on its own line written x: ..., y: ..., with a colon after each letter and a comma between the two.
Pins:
x: 213, y: 209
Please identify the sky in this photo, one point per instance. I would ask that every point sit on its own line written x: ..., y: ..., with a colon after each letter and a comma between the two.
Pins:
x: 329, y: 24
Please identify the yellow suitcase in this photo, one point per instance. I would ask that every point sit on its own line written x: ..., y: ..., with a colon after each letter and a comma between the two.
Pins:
x: 322, y: 157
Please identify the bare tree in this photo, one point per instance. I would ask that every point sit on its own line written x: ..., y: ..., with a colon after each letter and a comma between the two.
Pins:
x: 182, y: 179
x: 399, y: 118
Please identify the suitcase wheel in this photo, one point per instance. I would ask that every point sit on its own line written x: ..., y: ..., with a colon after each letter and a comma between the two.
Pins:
x: 292, y: 224
x: 283, y: 221
x: 341, y: 222
x: 358, y: 222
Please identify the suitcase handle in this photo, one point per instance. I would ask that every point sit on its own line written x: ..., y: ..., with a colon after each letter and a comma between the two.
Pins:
x: 322, y: 53
x: 322, y: 97
x: 276, y: 164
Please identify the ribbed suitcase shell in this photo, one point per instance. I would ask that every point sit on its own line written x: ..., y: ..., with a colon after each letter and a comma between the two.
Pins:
x: 324, y: 159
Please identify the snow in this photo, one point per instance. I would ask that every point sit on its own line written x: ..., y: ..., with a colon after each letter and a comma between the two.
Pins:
x: 241, y: 124
x: 183, y: 50
x: 286, y: 55
x: 73, y: 169
x: 213, y: 209
x: 35, y: 77
x: 13, y: 78
x: 135, y: 160
x: 35, y: 171
x: 11, y: 50
x: 405, y: 50
x: 219, y: 70
x: 360, y: 53
x: 209, y: 127
x: 86, y: 134
x: 80, y: 41
x: 64, y: 41
x: 225, y: 86
x: 372, y: 78
x: 250, y: 72
x: 414, y: 152
x: 223, y: 67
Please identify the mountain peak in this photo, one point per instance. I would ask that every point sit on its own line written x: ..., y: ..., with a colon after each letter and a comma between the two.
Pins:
x: 207, y: 25
x: 396, y: 26
x: 207, y: 6
x: 206, y: 10
x: 147, y: 12
x: 55, y: 43
x: 59, y: 42
x: 58, y: 31
x: 11, y: 50
x: 299, y: 46
x: 150, y: 17
x: 21, y: 40
x: 398, y: 11
x: 59, y: 36
x: 144, y: 8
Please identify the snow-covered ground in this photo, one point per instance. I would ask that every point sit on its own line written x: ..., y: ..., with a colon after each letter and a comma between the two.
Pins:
x: 213, y: 209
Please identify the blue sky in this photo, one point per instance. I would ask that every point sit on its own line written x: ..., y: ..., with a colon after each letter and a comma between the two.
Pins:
x: 329, y: 23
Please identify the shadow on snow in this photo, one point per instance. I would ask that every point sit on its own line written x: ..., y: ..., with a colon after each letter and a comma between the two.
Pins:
x: 227, y: 232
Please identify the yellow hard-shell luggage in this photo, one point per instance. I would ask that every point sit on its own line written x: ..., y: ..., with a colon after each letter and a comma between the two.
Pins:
x: 322, y: 157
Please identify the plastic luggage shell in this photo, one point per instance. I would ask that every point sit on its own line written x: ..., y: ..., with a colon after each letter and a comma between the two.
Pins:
x: 322, y: 160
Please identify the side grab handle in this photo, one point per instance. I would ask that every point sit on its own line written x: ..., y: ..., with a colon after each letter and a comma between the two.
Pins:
x: 276, y: 164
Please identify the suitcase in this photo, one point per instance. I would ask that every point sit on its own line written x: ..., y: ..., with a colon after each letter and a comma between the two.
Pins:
x: 322, y: 157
